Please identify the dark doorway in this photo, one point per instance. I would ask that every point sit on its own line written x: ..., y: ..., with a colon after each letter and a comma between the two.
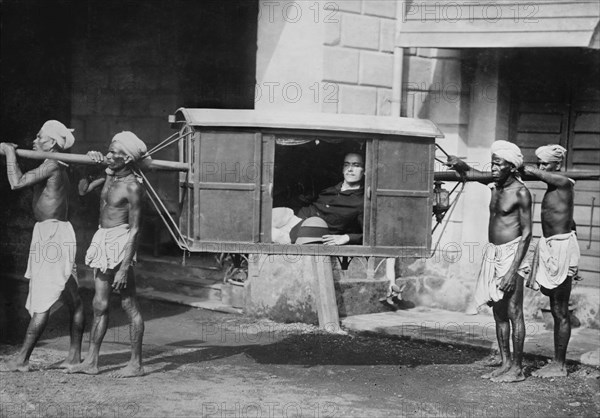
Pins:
x: 217, y: 52
x: 36, y: 86
x: 555, y: 99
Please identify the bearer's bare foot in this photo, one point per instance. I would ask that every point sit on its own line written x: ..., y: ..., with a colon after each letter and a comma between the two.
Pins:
x: 68, y: 364
x: 84, y: 368
x: 498, y: 372
x: 514, y: 374
x: 129, y: 371
x: 14, y: 365
x: 553, y: 369
x: 493, y: 360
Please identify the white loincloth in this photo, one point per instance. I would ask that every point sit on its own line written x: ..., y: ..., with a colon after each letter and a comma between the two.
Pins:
x: 555, y: 258
x: 496, y: 262
x: 51, y: 262
x: 107, y: 248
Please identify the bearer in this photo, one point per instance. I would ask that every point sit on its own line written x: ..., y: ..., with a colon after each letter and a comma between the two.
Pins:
x: 556, y: 256
x: 112, y: 251
x: 500, y: 280
x: 51, y: 264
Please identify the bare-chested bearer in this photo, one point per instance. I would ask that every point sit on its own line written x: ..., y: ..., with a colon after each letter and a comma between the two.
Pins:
x: 556, y: 255
x: 112, y: 251
x: 500, y: 280
x: 51, y: 261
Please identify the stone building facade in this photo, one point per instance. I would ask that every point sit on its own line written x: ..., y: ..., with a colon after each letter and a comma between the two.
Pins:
x: 116, y: 66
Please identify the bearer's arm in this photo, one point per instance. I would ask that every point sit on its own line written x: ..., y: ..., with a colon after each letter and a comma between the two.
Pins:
x: 134, y: 197
x: 508, y: 283
x: 16, y: 178
x: 463, y: 168
x: 86, y: 186
x: 553, y: 179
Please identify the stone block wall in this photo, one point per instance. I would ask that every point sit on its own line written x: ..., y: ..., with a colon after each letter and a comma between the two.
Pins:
x: 358, y: 56
x: 358, y: 47
x: 289, y: 60
x: 35, y: 87
x: 124, y: 78
x: 340, y: 55
x: 133, y: 65
x: 105, y: 67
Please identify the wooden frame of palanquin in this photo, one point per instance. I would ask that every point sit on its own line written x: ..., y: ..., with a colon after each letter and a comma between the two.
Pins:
x: 230, y: 210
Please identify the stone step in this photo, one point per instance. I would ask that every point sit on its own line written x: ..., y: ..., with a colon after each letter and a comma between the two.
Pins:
x: 192, y: 286
x: 360, y: 296
x: 212, y: 305
x: 199, y: 280
x: 204, y: 267
x: 209, y: 300
x: 201, y: 293
x: 199, y: 283
x: 161, y: 276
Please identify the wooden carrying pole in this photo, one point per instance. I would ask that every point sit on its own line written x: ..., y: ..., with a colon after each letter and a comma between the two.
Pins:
x: 486, y: 176
x: 159, y: 165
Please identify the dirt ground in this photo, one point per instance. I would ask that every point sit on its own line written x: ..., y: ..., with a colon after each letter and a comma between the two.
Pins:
x: 206, y: 364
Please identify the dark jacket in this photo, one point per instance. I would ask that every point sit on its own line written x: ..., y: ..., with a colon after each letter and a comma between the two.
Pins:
x: 341, y: 210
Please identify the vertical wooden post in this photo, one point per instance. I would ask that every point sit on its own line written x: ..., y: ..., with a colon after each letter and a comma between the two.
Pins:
x: 370, y: 268
x: 324, y: 292
x: 390, y: 270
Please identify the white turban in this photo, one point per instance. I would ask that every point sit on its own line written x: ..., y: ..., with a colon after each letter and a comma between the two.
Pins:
x: 509, y: 152
x: 551, y: 153
x: 130, y: 144
x: 60, y: 133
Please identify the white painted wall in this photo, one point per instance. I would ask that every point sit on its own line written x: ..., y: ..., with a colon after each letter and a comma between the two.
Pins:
x: 289, y: 56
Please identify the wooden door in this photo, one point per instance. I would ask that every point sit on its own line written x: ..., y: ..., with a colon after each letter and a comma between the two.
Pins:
x: 227, y: 187
x: 583, y: 144
x: 556, y: 100
x: 400, y: 194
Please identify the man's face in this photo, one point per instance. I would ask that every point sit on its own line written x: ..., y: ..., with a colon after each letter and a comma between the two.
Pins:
x: 116, y: 157
x: 549, y: 165
x: 43, y: 142
x: 353, y: 168
x: 501, y: 169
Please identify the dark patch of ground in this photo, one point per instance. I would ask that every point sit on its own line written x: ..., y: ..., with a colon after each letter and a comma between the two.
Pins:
x: 202, y: 363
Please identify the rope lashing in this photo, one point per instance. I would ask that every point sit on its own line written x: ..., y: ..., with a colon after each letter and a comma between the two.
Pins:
x: 442, y: 149
x: 166, y: 142
x: 164, y: 213
x: 159, y: 145
x: 156, y: 201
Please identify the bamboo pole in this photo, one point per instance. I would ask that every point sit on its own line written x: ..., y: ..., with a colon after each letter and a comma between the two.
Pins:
x: 486, y: 176
x: 152, y: 165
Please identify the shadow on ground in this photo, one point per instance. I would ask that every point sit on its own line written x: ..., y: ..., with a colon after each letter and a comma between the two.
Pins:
x: 181, y: 335
x: 14, y: 318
